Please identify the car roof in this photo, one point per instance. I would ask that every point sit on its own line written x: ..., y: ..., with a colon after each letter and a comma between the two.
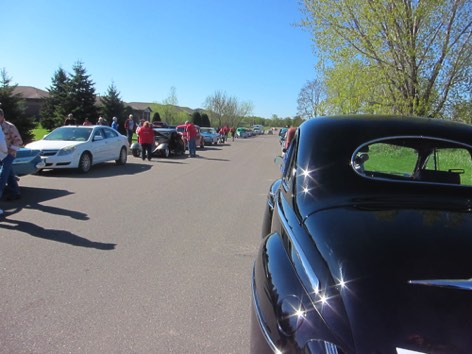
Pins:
x: 326, y: 146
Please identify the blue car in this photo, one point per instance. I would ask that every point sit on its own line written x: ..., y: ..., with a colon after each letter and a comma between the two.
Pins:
x: 210, y: 136
x: 27, y: 161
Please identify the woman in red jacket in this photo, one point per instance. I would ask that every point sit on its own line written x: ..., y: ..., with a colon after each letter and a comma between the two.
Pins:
x: 146, y: 139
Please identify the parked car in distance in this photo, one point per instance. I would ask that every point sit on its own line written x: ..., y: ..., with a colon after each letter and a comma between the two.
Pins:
x: 210, y: 135
x: 258, y: 129
x: 27, y: 161
x: 199, y: 139
x: 242, y: 132
x: 81, y: 147
x: 167, y: 141
x: 366, y: 240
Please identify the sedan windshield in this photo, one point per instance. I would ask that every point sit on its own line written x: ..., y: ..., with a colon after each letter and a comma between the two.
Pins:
x: 69, y: 134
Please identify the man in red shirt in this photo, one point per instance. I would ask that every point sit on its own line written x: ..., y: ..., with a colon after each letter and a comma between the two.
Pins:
x: 191, y: 137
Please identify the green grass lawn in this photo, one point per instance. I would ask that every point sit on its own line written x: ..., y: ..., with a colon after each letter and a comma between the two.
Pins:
x: 39, y: 132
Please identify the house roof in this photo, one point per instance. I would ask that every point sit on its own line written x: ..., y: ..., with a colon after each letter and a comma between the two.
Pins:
x: 30, y: 92
x: 139, y: 106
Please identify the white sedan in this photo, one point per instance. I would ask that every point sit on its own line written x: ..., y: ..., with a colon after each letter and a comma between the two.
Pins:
x: 81, y: 147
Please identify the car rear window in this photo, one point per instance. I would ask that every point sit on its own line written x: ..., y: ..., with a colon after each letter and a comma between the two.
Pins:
x: 415, y: 159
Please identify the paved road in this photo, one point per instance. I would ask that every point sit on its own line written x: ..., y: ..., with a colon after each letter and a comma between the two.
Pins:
x: 151, y: 257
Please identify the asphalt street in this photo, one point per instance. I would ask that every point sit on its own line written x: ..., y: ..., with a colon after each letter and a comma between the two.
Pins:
x: 150, y: 257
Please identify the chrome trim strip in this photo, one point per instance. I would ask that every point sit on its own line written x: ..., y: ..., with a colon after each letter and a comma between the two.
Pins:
x: 464, y: 284
x: 264, y: 330
x: 310, y: 272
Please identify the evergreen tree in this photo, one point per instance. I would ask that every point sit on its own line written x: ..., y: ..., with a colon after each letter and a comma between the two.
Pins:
x: 55, y: 107
x: 81, y: 98
x: 156, y: 117
x: 197, y: 118
x: 113, y: 106
x: 205, y: 120
x: 14, y: 108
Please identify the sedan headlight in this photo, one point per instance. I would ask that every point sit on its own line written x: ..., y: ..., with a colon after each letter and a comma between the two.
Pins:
x: 67, y: 150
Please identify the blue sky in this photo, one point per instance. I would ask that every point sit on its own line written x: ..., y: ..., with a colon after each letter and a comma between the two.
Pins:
x: 249, y: 49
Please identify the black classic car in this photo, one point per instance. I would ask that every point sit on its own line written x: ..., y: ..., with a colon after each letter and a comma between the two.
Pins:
x: 367, y: 240
x: 167, y: 141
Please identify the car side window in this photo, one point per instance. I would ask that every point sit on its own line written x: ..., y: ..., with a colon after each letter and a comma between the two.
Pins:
x: 416, y: 159
x: 110, y: 133
x: 98, y: 132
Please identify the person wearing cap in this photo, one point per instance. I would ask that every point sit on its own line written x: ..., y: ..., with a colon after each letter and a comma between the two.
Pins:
x: 114, y: 123
x: 14, y: 142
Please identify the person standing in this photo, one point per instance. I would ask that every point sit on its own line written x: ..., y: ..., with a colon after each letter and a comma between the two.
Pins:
x: 114, y: 123
x: 3, y: 154
x: 69, y: 120
x: 87, y: 122
x: 14, y: 142
x: 191, y: 138
x: 146, y: 139
x: 129, y: 126
x: 233, y: 132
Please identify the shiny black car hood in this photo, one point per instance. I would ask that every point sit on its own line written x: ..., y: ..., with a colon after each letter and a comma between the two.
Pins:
x: 406, y: 273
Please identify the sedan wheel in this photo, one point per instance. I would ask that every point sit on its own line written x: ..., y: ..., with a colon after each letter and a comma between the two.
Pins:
x: 123, y: 157
x: 85, y: 162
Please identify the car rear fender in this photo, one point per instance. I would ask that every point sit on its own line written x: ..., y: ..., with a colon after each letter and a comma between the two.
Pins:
x: 284, y: 311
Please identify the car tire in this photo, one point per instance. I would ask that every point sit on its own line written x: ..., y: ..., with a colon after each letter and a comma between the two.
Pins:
x: 123, y: 157
x: 85, y: 162
x: 135, y: 152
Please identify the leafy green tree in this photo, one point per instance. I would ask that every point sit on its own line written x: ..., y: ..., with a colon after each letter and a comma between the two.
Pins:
x: 419, y: 52
x: 113, y: 106
x: 54, y: 110
x: 81, y: 99
x: 14, y: 108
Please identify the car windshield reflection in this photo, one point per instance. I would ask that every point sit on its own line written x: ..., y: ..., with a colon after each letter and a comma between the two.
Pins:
x: 69, y: 134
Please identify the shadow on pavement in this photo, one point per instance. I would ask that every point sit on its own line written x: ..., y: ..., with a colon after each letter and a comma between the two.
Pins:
x: 32, y: 199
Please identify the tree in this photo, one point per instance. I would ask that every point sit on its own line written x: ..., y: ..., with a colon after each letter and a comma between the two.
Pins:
x: 310, y: 99
x: 54, y: 109
x: 205, y: 120
x: 113, y: 106
x: 197, y: 118
x: 169, y: 109
x: 156, y: 117
x: 227, y: 110
x: 217, y: 105
x: 81, y: 98
x: 419, y: 51
x: 14, y: 108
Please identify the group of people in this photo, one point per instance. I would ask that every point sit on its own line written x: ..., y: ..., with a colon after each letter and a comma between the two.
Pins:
x: 70, y: 120
x: 10, y: 143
